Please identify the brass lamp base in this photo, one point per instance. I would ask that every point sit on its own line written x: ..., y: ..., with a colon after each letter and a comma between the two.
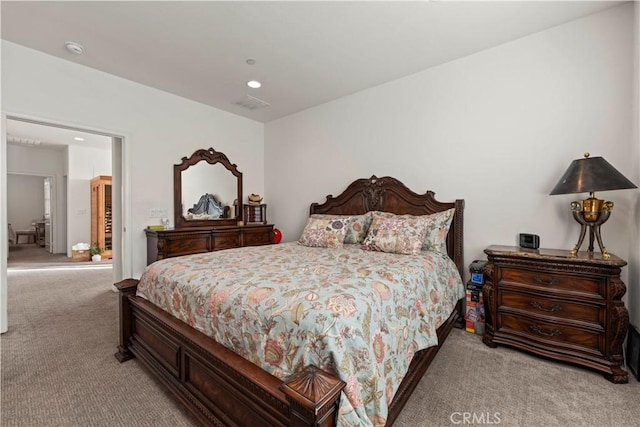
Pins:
x: 591, y: 213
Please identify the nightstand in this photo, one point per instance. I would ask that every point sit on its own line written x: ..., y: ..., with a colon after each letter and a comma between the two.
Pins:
x: 550, y: 304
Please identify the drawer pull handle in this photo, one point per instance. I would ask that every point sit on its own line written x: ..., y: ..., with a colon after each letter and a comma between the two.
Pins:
x: 544, y: 281
x: 538, y: 330
x: 552, y: 308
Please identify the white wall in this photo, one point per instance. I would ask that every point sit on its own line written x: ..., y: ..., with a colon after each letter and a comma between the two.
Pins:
x: 159, y: 128
x: 41, y: 162
x: 83, y: 164
x: 497, y: 128
x: 25, y: 200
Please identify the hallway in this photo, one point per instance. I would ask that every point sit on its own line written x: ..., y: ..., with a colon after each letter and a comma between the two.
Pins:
x: 32, y: 256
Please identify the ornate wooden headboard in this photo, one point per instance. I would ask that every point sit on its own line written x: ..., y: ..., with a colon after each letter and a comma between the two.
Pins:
x: 390, y: 195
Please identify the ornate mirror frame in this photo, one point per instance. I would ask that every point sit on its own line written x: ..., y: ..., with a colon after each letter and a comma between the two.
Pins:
x: 212, y: 157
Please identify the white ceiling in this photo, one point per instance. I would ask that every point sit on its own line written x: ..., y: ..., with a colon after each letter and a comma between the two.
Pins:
x: 306, y: 53
x: 34, y: 135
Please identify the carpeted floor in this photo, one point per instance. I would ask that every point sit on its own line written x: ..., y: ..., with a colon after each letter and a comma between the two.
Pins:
x: 58, y: 369
x: 32, y: 256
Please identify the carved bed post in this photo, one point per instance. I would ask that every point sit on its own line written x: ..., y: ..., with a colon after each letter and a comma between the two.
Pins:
x: 313, y: 397
x: 126, y: 288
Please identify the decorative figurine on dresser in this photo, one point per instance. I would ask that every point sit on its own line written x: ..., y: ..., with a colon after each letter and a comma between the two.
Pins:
x: 206, y: 186
x: 556, y: 305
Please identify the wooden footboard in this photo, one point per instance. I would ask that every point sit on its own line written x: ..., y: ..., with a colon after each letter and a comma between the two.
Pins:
x: 218, y: 387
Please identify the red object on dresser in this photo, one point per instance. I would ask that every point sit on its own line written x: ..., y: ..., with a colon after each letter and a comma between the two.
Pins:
x: 277, y: 235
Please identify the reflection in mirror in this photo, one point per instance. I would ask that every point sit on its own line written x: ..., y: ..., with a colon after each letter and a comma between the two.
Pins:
x: 205, y: 187
x: 208, y: 192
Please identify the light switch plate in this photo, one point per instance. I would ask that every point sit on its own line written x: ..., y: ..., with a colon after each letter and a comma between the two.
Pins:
x: 158, y: 213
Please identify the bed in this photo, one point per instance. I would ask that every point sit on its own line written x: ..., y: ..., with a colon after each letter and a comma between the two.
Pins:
x: 221, y: 387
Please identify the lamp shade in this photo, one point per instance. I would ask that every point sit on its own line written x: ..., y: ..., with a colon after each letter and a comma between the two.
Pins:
x: 589, y: 175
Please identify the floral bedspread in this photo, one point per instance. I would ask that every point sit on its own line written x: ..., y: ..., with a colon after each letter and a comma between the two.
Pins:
x: 358, y: 314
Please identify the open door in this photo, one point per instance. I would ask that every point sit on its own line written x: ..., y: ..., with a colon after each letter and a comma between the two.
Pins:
x: 48, y: 231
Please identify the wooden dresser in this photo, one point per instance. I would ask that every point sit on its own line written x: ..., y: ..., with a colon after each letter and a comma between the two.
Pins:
x: 185, y: 241
x: 550, y: 304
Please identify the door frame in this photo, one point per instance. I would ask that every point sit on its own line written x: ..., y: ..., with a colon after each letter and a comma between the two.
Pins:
x: 54, y: 203
x: 53, y: 213
x: 121, y: 172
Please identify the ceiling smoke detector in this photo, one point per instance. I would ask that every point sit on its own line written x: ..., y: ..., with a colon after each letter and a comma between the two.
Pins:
x: 74, y: 47
x: 252, y: 103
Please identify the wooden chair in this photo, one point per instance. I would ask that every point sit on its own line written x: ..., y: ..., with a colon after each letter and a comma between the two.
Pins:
x: 12, y: 235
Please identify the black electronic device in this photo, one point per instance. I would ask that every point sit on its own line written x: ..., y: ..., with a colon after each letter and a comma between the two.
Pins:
x: 477, y: 271
x: 531, y: 241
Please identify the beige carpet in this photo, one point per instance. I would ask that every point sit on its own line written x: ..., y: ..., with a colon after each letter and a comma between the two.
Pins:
x: 58, y: 369
x: 32, y: 256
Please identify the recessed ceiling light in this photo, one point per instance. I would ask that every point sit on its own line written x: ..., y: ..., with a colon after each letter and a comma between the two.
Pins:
x: 74, y: 47
x: 78, y: 138
x: 254, y: 84
x: 251, y: 61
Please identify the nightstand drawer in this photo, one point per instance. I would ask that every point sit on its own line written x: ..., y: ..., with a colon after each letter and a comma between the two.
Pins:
x: 562, y: 309
x: 556, y: 334
x: 556, y: 282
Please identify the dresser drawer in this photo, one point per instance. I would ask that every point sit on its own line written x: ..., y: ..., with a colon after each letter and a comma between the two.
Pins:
x: 186, y: 246
x: 176, y: 242
x: 257, y: 237
x: 226, y: 240
x: 561, y: 309
x: 552, y: 282
x: 549, y: 333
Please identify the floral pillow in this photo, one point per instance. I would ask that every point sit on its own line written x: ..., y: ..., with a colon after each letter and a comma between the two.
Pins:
x: 357, y: 225
x: 400, y: 234
x: 324, y: 233
x: 437, y: 225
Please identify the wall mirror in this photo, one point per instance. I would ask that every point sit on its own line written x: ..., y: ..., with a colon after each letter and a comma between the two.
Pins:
x: 206, y: 185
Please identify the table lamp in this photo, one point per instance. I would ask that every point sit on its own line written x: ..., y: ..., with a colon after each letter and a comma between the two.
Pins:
x: 591, y: 174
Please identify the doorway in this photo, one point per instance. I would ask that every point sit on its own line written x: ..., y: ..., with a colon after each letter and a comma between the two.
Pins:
x: 61, y: 194
x: 30, y: 213
x: 55, y: 153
